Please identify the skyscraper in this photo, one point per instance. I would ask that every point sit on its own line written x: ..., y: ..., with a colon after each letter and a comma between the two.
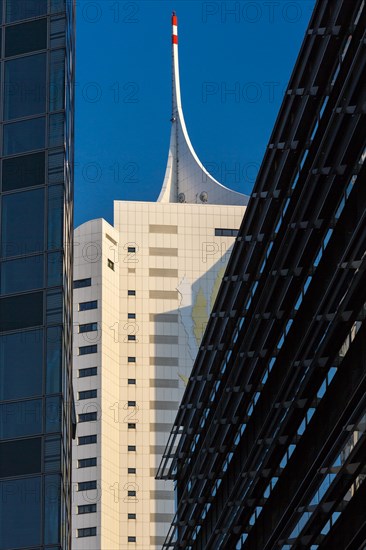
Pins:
x: 268, y: 450
x: 144, y: 288
x: 36, y: 422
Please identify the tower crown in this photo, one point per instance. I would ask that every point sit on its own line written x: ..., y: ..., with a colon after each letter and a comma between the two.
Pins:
x: 186, y: 179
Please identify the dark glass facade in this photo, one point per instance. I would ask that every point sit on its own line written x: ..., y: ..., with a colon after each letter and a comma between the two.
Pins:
x: 37, y: 418
x: 268, y: 450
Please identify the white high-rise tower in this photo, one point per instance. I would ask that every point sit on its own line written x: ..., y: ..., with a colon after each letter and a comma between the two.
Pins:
x: 144, y: 289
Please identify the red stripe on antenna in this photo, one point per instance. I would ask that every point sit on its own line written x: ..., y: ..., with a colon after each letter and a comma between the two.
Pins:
x: 175, y: 39
x: 174, y: 19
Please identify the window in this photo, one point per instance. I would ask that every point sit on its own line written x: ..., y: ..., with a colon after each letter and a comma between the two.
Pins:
x: 88, y: 394
x: 131, y: 516
x: 131, y: 292
x: 226, y: 232
x: 131, y: 249
x: 20, y: 418
x: 131, y: 426
x: 24, y: 9
x: 131, y: 539
x: 87, y: 532
x: 20, y: 457
x: 23, y: 171
x: 131, y: 448
x: 131, y: 315
x: 131, y: 403
x: 111, y: 264
x: 87, y: 508
x: 88, y: 327
x: 25, y: 86
x: 27, y: 135
x: 87, y: 485
x: 131, y: 470
x: 24, y: 352
x: 131, y: 493
x: 87, y: 350
x: 131, y: 359
x: 23, y: 311
x: 26, y: 37
x: 132, y: 381
x: 91, y: 371
x: 28, y: 236
x: 88, y: 417
x: 87, y: 439
x: 131, y: 337
x: 86, y: 306
x: 22, y: 274
x: 16, y: 510
x: 87, y: 462
x: 82, y: 283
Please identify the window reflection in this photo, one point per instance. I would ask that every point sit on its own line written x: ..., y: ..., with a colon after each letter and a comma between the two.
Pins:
x: 25, y: 86
x: 27, y: 135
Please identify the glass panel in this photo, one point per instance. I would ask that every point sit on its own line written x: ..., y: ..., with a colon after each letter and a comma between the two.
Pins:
x: 58, y: 30
x: 26, y: 37
x: 53, y: 414
x: 54, y: 306
x: 24, y: 136
x: 24, y: 9
x: 57, y: 80
x: 21, y: 359
x: 55, y: 269
x: 52, y: 509
x: 55, y: 216
x: 20, y: 457
x: 55, y: 166
x: 54, y: 346
x: 56, y: 131
x: 20, y: 513
x: 21, y: 311
x: 25, y: 86
x: 21, y: 275
x: 20, y: 418
x: 58, y: 5
x: 23, y: 223
x: 25, y: 171
x: 52, y: 453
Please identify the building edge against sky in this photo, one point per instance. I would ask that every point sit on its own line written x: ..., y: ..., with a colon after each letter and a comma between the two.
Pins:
x: 143, y: 293
x: 37, y: 157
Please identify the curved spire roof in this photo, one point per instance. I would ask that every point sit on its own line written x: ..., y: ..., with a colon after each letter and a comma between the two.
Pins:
x: 186, y: 179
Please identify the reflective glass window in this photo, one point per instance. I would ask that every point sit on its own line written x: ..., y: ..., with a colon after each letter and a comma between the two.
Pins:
x: 20, y: 513
x: 24, y: 171
x: 27, y: 135
x: 54, y: 269
x: 55, y: 216
x: 54, y: 356
x: 24, y: 9
x: 26, y: 37
x: 22, y: 274
x: 23, y: 311
x: 82, y: 283
x: 25, y: 86
x: 21, y: 418
x: 22, y: 223
x: 87, y: 439
x: 21, y: 358
x: 20, y: 457
x: 91, y: 371
x: 52, y: 503
x: 53, y: 414
x: 57, y: 80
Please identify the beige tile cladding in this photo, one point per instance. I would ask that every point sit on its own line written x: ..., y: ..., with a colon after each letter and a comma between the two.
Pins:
x: 169, y: 255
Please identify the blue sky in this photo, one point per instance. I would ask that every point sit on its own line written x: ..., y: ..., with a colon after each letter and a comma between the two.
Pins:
x: 235, y: 62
